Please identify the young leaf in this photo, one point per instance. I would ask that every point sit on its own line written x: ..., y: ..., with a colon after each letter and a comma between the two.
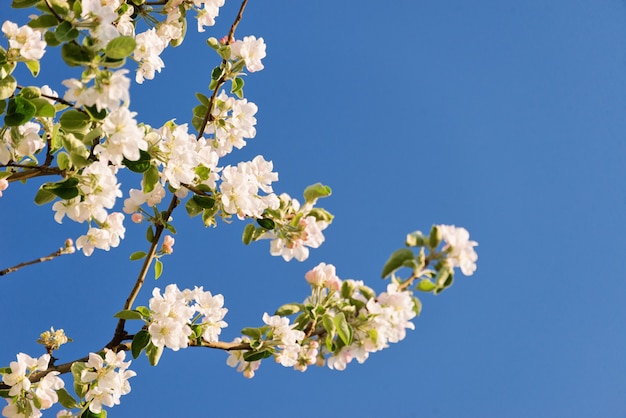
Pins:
x: 205, y: 202
x: 315, y: 191
x: 288, y: 309
x: 251, y: 356
x: 150, y: 178
x: 19, y: 111
x: 154, y: 354
x: 66, y: 399
x: 266, y: 223
x: 140, y: 341
x: 128, y: 314
x: 254, y: 333
x: 248, y: 233
x: 43, y: 196
x: 344, y: 330
x: 121, y: 47
x: 138, y: 255
x: 7, y: 86
x: 396, y: 260
x: 158, y: 269
x: 74, y: 121
x: 141, y: 165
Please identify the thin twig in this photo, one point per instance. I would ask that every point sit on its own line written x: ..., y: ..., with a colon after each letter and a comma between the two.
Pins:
x: 50, y: 257
x: 208, y: 117
x: 32, y: 172
x: 231, y: 33
x: 120, y: 333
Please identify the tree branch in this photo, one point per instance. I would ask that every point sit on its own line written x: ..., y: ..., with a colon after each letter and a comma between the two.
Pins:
x: 120, y: 333
x: 68, y: 249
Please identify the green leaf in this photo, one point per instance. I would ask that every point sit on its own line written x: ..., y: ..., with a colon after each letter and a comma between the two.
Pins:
x: 43, y: 196
x: 150, y: 178
x: 95, y: 113
x: 75, y: 55
x: 141, y: 165
x: 254, y: 333
x: 417, y: 305
x: 396, y: 260
x: 140, y: 341
x: 63, y: 160
x: 143, y: 311
x: 435, y: 237
x: 19, y: 111
x: 158, y: 269
x: 315, y: 191
x: 74, y: 121
x: 22, y: 4
x: 288, y: 309
x: 3, y: 106
x: 138, y: 255
x: 7, y: 87
x: 415, y: 239
x: 79, y: 388
x: 344, y: 330
x: 150, y: 234
x: 248, y: 233
x: 329, y: 324
x: 193, y: 209
x: 43, y: 108
x: 128, y: 314
x: 66, y: 189
x: 251, y: 356
x: 66, y: 32
x: 205, y: 202
x: 43, y: 21
x: 426, y: 286
x: 66, y: 399
x: 237, y: 86
x: 216, y: 73
x: 121, y: 47
x: 203, y: 99
x: 33, y: 67
x: 50, y: 39
x: 266, y: 223
x: 88, y: 414
x: 154, y: 354
x: 4, y: 393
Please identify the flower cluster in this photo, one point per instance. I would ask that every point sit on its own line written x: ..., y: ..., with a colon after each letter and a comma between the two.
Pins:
x: 344, y: 320
x: 105, y: 378
x: 173, y: 314
x: 21, y: 142
x: 459, y: 248
x: 28, y: 42
x: 303, y: 231
x: 233, y: 120
x: 27, y: 399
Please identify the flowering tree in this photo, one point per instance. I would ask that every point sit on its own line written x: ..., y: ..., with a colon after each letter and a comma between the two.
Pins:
x: 83, y: 139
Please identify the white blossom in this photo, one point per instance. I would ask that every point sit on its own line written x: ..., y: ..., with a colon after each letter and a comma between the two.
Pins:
x: 251, y: 50
x: 29, y: 42
x: 460, y: 248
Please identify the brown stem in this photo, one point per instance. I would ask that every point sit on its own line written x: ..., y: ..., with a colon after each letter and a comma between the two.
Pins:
x: 231, y: 36
x: 32, y: 172
x: 50, y: 257
x: 231, y: 33
x: 59, y: 18
x: 120, y: 333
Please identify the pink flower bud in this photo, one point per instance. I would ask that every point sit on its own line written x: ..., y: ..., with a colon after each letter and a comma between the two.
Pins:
x: 136, y: 218
x: 168, y: 244
x: 4, y: 183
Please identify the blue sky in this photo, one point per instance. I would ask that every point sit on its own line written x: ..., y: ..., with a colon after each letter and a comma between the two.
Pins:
x: 507, y: 118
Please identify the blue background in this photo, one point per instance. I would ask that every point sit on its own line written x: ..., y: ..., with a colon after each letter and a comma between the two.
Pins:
x: 504, y: 117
